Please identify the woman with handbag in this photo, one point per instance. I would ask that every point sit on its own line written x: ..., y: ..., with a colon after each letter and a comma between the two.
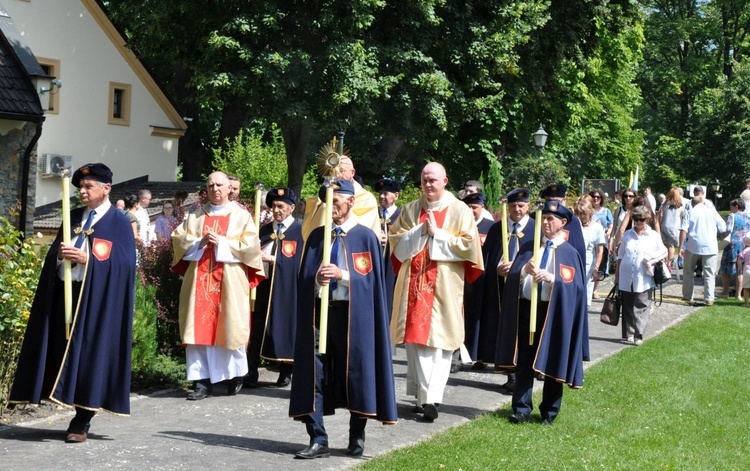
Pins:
x: 640, y: 248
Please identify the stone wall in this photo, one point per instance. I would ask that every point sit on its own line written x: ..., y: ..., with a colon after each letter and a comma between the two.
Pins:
x: 12, y: 148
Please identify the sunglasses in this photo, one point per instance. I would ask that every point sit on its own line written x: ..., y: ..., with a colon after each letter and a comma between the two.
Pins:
x: 628, y: 196
x: 639, y: 219
x: 597, y: 197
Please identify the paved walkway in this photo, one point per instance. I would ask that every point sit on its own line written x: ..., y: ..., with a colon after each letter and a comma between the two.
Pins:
x: 252, y: 430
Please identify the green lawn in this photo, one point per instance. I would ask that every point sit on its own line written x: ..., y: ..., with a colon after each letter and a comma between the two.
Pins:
x: 680, y: 401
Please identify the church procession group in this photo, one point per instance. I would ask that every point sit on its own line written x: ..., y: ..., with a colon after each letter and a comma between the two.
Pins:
x: 436, y: 276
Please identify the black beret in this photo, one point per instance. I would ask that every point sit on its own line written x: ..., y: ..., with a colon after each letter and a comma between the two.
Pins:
x: 518, y: 195
x: 387, y: 184
x: 96, y: 171
x: 558, y: 210
x: 555, y: 190
x: 280, y: 194
x: 339, y: 186
x: 474, y: 198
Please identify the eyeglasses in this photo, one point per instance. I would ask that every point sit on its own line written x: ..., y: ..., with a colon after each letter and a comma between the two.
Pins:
x: 628, y: 196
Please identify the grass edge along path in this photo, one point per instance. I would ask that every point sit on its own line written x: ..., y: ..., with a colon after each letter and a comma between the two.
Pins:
x: 679, y: 401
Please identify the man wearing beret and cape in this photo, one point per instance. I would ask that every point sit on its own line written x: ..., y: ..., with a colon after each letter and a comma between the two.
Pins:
x: 274, y: 320
x: 561, y: 337
x: 482, y: 331
x: 356, y: 372
x: 217, y: 251
x: 436, y: 248
x: 91, y: 370
x: 388, y: 192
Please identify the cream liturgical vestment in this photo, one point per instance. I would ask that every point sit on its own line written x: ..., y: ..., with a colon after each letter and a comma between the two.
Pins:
x: 215, y: 295
x: 365, y: 207
x: 428, y: 300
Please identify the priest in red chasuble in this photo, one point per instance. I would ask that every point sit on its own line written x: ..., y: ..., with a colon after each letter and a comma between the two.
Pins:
x: 436, y: 248
x: 217, y: 250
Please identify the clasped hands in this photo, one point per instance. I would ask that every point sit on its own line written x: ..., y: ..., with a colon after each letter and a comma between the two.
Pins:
x: 430, y: 225
x: 328, y: 272
x: 210, y: 237
x: 538, y: 274
x: 72, y: 253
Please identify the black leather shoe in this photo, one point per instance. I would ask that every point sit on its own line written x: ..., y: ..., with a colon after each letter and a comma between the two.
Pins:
x: 455, y: 368
x: 518, y: 418
x: 430, y: 412
x: 283, y: 381
x: 356, y: 446
x: 508, y: 388
x: 418, y: 410
x: 316, y: 450
x: 234, y: 386
x: 197, y: 394
x: 250, y: 380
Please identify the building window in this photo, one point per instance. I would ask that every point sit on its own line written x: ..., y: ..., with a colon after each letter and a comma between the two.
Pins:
x: 119, y: 104
x: 51, y: 68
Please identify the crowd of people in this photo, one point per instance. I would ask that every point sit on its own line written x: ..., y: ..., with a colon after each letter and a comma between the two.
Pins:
x: 440, y: 275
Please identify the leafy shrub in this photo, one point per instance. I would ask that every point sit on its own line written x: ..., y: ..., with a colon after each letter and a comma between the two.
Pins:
x: 253, y: 159
x: 154, y: 267
x: 20, y: 266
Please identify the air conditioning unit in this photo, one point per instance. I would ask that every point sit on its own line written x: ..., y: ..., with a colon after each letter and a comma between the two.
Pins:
x: 52, y: 164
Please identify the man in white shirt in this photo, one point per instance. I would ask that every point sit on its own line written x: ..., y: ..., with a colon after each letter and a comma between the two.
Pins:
x: 145, y: 232
x: 700, y: 226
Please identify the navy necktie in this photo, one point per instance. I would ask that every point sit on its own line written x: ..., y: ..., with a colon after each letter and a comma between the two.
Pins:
x: 335, y: 253
x: 514, y: 242
x: 86, y: 227
x: 278, y: 238
x: 545, y: 255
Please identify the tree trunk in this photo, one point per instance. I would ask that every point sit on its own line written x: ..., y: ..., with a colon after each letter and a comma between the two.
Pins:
x: 389, y: 147
x: 232, y: 120
x: 296, y: 141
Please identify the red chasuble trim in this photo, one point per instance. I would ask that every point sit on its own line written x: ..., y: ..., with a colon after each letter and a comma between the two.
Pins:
x: 422, y: 289
x: 208, y: 286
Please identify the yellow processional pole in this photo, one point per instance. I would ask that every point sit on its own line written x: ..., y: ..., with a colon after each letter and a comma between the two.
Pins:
x: 256, y: 219
x: 504, y: 227
x: 328, y: 165
x: 67, y: 269
x: 535, y: 285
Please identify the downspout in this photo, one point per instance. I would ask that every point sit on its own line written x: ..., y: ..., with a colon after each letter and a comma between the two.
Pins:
x: 26, y: 167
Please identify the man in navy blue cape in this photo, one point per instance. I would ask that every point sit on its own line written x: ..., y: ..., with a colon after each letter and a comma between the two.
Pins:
x: 356, y: 371
x: 388, y: 192
x: 561, y: 338
x: 91, y: 370
x: 274, y: 319
x: 473, y: 291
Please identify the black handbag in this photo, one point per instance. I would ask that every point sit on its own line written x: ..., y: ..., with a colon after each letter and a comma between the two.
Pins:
x: 611, y: 310
x: 661, y: 273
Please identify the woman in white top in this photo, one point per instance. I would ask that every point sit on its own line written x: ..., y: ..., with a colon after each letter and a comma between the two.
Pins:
x: 641, y: 247
x: 593, y: 235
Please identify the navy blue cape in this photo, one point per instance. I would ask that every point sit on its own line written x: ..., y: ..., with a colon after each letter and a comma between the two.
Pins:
x: 280, y: 288
x: 482, y: 325
x: 370, y: 383
x: 563, y: 338
x: 92, y: 369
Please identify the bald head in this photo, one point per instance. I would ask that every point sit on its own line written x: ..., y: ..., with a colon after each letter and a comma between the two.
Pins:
x: 218, y: 188
x: 346, y: 169
x: 433, y: 181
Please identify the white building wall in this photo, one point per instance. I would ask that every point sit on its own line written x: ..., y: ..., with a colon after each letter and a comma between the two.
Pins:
x: 65, y: 30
